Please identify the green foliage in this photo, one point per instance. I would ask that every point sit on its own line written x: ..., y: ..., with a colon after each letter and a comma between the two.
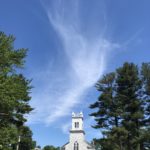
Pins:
x: 8, y: 134
x: 26, y: 142
x: 14, y: 92
x: 50, y: 147
x: 123, y: 108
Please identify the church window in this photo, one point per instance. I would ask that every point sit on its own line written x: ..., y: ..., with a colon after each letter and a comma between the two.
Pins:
x: 76, y: 146
x: 76, y: 124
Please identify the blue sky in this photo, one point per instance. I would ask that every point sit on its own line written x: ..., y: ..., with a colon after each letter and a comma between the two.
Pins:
x: 71, y: 45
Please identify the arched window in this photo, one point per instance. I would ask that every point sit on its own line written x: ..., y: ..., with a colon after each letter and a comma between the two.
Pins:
x: 76, y: 146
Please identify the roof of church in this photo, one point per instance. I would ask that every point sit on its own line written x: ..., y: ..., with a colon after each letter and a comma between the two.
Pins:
x: 89, y: 144
x: 65, y: 144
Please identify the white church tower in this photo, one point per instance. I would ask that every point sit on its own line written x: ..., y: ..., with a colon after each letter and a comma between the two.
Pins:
x: 77, y: 135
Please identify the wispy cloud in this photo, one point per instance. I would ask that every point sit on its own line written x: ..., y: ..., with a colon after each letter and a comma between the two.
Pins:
x: 86, y: 54
x: 132, y: 38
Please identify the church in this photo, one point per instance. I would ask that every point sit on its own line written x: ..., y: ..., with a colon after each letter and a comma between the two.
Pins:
x: 77, y: 135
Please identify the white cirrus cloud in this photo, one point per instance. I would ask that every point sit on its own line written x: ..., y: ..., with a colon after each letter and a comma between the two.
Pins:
x: 87, y: 58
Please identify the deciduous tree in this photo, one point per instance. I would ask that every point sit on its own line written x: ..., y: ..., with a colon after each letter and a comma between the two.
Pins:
x: 50, y: 147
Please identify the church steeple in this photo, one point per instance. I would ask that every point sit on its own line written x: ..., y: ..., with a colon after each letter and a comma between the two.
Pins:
x: 77, y: 136
x: 77, y: 122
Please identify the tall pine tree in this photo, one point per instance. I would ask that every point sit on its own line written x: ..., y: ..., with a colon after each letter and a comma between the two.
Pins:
x: 122, y: 108
x: 14, y: 92
x: 128, y: 88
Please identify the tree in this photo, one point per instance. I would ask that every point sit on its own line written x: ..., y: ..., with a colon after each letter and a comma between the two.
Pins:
x: 108, y: 114
x: 26, y: 142
x: 50, y: 147
x: 145, y: 73
x: 122, y: 108
x: 8, y: 135
x: 14, y: 91
x: 129, y: 86
x: 106, y: 103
